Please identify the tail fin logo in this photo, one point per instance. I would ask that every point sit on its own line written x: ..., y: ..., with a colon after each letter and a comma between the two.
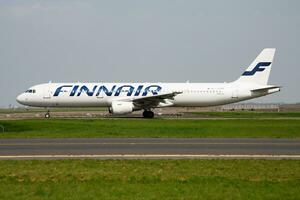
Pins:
x: 258, y: 68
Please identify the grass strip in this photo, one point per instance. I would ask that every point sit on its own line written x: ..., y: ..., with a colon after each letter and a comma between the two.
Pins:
x: 150, y: 179
x: 231, y: 128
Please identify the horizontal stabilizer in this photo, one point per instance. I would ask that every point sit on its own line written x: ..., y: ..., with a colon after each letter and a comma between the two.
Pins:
x: 265, y: 88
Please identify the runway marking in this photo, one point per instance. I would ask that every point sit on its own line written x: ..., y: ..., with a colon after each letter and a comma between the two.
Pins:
x: 152, y: 156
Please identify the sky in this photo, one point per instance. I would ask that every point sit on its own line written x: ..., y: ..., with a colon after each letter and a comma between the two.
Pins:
x: 146, y: 41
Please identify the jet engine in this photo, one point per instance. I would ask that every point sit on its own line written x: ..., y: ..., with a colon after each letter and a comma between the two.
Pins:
x: 121, y: 107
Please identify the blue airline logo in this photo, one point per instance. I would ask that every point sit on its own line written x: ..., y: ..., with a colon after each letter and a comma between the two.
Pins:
x: 77, y: 90
x: 258, y: 68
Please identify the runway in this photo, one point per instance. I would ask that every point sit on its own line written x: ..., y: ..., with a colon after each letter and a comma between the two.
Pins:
x: 149, y: 148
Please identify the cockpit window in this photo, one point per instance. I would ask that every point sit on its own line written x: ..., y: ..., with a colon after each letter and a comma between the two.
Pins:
x: 30, y: 91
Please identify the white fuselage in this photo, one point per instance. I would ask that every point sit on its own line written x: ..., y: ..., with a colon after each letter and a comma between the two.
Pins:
x: 123, y: 98
x: 103, y: 94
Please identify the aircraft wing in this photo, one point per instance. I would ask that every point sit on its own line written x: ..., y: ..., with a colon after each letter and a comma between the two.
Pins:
x: 155, y: 100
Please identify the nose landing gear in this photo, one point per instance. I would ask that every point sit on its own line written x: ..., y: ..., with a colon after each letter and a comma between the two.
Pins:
x: 148, y: 114
x: 47, y: 115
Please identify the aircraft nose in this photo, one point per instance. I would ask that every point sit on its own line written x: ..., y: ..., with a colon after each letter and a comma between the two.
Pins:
x: 21, y: 99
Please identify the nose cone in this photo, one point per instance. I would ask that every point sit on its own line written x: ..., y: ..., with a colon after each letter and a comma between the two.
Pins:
x: 21, y: 99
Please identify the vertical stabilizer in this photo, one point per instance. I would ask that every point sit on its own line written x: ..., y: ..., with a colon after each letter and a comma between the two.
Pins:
x: 259, y: 70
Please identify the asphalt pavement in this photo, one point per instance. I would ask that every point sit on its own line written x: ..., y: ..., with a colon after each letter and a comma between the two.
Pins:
x: 147, y: 148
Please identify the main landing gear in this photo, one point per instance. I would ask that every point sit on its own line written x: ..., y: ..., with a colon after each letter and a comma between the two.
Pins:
x: 47, y: 115
x: 148, y: 114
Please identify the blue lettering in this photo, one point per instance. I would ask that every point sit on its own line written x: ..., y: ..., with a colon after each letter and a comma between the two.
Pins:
x: 58, y: 90
x: 138, y: 90
x: 73, y: 92
x: 129, y: 91
x: 86, y: 90
x: 152, y: 88
x: 105, y: 90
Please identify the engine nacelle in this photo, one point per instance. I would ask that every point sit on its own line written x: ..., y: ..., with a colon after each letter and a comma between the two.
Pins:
x: 121, y: 107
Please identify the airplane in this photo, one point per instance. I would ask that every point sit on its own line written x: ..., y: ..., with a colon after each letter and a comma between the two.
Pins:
x: 125, y: 98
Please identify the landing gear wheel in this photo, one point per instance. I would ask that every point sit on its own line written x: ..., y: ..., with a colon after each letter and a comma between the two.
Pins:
x: 148, y: 114
x: 47, y: 115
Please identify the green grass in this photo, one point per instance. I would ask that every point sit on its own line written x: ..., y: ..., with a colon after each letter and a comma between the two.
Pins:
x: 150, y: 179
x: 273, y: 128
x: 247, y: 114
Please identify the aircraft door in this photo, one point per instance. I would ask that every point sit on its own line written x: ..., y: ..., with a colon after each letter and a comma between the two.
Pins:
x: 47, y: 92
x: 235, y: 94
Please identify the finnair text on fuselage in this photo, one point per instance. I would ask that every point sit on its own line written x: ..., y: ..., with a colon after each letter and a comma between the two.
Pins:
x: 115, y: 90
